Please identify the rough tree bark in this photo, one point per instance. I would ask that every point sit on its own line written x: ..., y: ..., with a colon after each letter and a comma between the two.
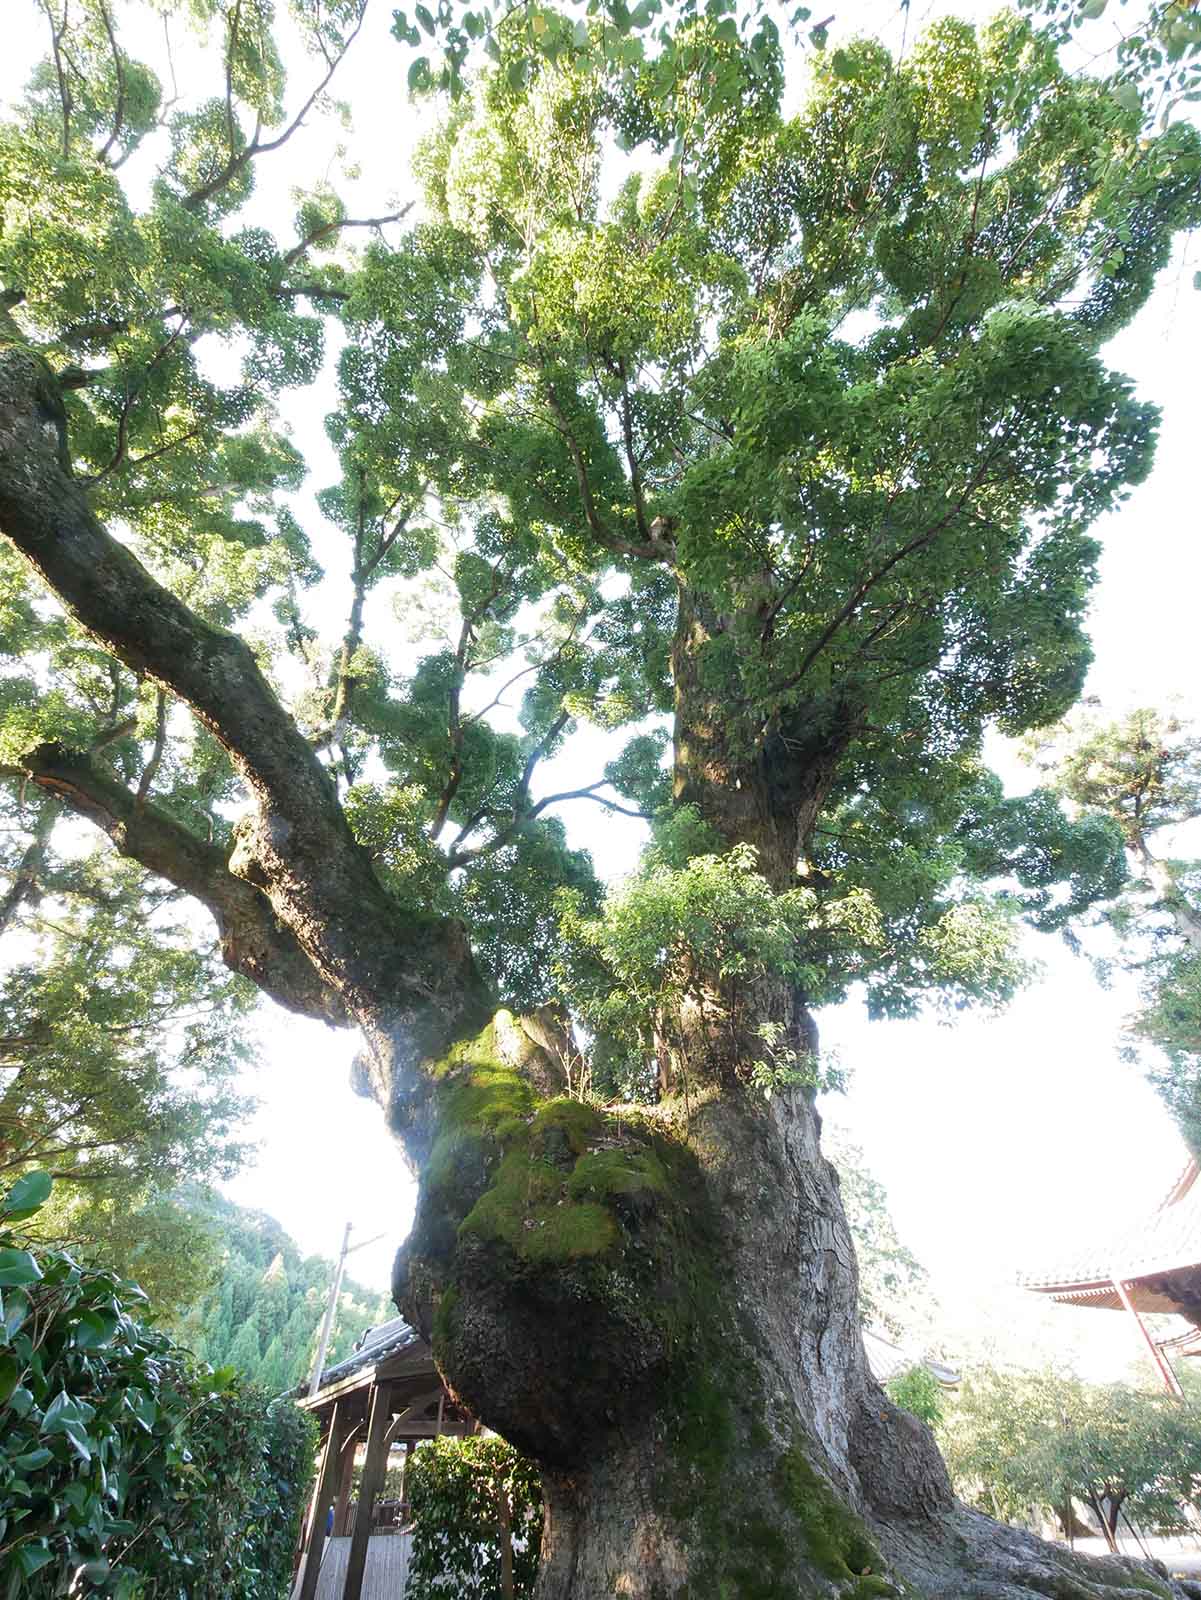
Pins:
x: 659, y: 1303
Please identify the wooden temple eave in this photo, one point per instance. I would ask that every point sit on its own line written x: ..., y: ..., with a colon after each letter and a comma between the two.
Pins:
x: 1151, y: 1267
x: 1175, y: 1293
x: 323, y: 1400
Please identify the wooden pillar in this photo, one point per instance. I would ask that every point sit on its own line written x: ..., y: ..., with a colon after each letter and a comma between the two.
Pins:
x: 306, y: 1522
x: 1163, y: 1366
x: 404, y: 1482
x: 345, y: 1483
x: 323, y: 1498
x: 373, y: 1474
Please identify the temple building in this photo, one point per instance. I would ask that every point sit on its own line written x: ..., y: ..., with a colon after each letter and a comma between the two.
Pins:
x: 1153, y: 1267
x: 372, y: 1409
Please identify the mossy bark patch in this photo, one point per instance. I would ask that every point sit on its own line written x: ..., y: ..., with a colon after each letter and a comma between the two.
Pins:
x: 531, y: 1209
x: 601, y: 1174
x: 837, y: 1539
x: 546, y: 1178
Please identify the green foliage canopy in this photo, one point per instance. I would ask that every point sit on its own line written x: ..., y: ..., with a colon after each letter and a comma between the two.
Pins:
x: 121, y: 1040
x: 664, y: 398
x: 1015, y: 1441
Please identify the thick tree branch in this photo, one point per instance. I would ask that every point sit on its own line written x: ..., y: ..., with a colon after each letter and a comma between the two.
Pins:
x: 252, y: 942
x: 410, y: 982
x: 627, y: 432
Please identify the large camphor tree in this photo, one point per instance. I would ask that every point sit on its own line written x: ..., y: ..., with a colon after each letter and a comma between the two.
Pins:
x: 773, y: 436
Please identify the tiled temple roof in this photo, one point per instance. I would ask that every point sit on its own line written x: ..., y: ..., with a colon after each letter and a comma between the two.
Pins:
x: 373, y: 1347
x: 1163, y: 1247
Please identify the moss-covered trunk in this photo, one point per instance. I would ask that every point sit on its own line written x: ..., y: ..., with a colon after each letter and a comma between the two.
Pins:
x: 659, y: 1306
x: 659, y: 1303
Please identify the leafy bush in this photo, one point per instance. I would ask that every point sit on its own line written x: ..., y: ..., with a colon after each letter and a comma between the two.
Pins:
x: 122, y: 1459
x: 455, y: 1489
x: 917, y: 1391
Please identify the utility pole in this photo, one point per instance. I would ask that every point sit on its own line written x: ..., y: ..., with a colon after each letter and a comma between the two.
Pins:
x: 331, y: 1306
x: 327, y: 1326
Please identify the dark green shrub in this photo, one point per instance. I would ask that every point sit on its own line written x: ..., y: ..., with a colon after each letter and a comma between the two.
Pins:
x: 454, y: 1488
x: 123, y: 1458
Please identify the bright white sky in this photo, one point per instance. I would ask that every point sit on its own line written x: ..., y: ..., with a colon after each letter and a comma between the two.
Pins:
x: 1004, y: 1142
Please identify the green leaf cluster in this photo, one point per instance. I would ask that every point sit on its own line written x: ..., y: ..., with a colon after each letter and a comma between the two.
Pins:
x: 123, y: 1461
x: 1017, y: 1440
x: 674, y: 937
x: 1157, y: 50
x: 455, y: 1488
x: 917, y: 1391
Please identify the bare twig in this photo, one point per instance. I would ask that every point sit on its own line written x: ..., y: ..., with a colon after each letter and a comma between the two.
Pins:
x: 258, y: 147
x: 323, y: 232
x: 119, y: 70
x: 57, y: 30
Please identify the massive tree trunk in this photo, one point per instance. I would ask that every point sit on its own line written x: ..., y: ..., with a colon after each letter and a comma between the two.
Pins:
x: 658, y: 1303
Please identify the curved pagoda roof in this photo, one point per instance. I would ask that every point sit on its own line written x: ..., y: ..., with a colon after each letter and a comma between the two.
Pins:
x: 1157, y: 1260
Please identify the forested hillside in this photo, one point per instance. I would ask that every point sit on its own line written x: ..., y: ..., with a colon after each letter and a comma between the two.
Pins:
x: 263, y: 1312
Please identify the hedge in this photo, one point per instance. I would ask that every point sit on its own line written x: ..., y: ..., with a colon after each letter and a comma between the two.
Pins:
x: 467, y: 1497
x: 128, y: 1468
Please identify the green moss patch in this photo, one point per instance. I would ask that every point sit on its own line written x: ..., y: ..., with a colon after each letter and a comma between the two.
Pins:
x: 837, y: 1540
x: 602, y: 1173
x: 578, y: 1123
x: 444, y: 1318
x: 526, y: 1208
x: 485, y: 1098
x: 510, y: 1169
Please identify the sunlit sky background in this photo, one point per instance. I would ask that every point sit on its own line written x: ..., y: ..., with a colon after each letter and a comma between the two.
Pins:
x: 1004, y: 1141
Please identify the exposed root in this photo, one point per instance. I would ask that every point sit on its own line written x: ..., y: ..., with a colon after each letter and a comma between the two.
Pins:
x: 968, y: 1556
